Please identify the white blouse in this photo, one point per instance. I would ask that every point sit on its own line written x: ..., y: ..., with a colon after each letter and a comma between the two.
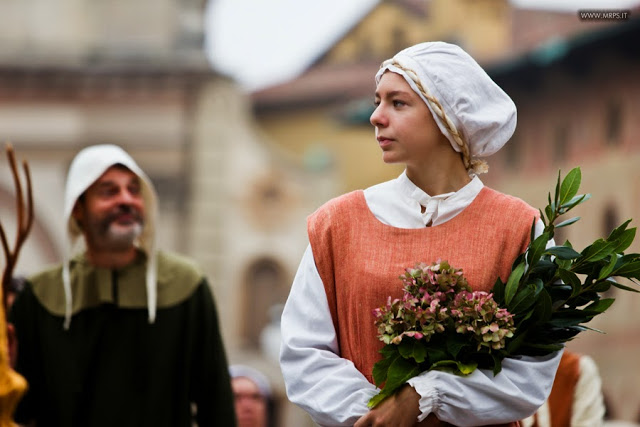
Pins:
x: 335, y: 393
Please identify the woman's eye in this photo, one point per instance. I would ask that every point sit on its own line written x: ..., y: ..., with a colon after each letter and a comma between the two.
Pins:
x: 397, y: 103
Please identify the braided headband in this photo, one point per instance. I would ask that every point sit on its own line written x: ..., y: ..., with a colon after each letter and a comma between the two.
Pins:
x: 473, y: 165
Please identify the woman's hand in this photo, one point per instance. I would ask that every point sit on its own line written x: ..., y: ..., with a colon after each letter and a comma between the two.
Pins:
x: 399, y: 410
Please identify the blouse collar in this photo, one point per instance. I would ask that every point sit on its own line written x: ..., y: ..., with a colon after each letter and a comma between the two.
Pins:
x: 442, y: 207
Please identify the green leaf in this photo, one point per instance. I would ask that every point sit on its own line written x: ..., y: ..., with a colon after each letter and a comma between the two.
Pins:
x: 617, y: 232
x: 544, y: 221
x: 537, y: 248
x: 550, y: 214
x: 563, y: 263
x: 629, y: 269
x: 400, y: 370
x: 455, y: 343
x: 411, y: 348
x: 542, y: 310
x: 514, y: 282
x: 568, y: 222
x: 524, y: 299
x: 575, y: 201
x: 458, y: 367
x: 583, y: 298
x: 563, y: 252
x: 597, y: 251
x: 547, y: 347
x: 380, y: 368
x: 532, y: 232
x: 570, y: 185
x: 497, y: 364
x: 607, y: 269
x: 375, y: 400
x: 624, y: 240
x: 600, y: 306
x: 498, y: 291
x: 570, y: 279
x: 545, y: 269
x: 556, y: 200
x: 516, y: 342
x: 601, y: 286
x: 436, y: 353
x: 623, y: 287
x: 565, y: 321
x: 588, y: 328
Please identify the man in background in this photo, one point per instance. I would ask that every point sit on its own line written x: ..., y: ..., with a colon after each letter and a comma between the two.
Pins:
x: 120, y: 334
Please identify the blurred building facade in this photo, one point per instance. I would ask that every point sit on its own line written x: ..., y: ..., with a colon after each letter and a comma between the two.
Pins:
x: 238, y: 175
x: 77, y: 72
x: 576, y: 87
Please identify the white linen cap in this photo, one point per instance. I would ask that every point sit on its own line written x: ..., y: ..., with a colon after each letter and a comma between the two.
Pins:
x: 257, y: 377
x: 89, y: 165
x: 469, y: 108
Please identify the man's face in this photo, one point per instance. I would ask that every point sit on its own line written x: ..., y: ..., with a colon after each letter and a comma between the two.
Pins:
x: 111, y: 210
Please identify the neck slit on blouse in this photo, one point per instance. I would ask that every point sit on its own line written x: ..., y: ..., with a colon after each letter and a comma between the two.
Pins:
x: 362, y: 202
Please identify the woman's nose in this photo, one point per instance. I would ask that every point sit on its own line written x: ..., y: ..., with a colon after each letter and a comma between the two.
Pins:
x: 377, y: 117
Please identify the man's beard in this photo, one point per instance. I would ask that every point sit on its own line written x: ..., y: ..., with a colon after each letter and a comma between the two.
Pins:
x: 106, y: 233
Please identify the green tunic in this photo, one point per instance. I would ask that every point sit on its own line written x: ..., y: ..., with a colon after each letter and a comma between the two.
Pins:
x: 112, y: 367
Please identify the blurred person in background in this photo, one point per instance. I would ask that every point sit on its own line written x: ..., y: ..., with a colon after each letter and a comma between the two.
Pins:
x: 120, y: 334
x: 436, y: 112
x: 576, y: 399
x: 252, y: 397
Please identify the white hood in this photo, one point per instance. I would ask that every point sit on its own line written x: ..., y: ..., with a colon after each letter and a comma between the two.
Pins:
x: 89, y: 165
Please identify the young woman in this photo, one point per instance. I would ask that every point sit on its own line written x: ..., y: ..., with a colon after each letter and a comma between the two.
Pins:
x: 436, y: 112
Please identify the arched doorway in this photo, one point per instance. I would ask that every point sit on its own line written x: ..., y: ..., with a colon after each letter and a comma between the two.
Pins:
x: 265, y: 289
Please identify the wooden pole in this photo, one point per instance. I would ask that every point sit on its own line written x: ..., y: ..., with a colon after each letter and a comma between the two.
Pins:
x: 12, y: 384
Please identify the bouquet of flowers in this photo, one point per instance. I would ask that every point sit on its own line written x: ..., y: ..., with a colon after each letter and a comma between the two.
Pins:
x: 549, y: 296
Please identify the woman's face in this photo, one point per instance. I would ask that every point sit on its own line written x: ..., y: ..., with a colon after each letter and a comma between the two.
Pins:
x: 405, y: 128
x: 250, y: 405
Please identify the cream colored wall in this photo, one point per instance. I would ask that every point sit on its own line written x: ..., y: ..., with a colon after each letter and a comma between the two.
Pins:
x: 375, y: 32
x: 482, y: 27
x: 71, y: 30
x: 485, y: 29
x: 350, y: 147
